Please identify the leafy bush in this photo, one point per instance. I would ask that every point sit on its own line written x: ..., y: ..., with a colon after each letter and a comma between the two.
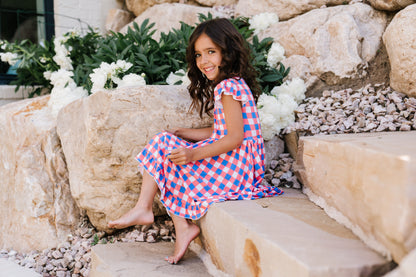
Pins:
x: 156, y: 59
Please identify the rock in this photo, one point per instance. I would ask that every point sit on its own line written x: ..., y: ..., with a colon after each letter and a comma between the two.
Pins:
x: 407, y: 267
x: 116, y: 19
x: 300, y: 66
x: 211, y: 3
x: 338, y: 41
x: 285, y: 9
x: 400, y: 41
x: 139, y: 6
x: 168, y: 16
x: 37, y: 210
x: 364, y: 181
x: 102, y: 134
x: 390, y: 5
x: 273, y: 148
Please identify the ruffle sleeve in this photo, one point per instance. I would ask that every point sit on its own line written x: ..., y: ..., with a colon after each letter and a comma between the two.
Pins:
x: 237, y: 88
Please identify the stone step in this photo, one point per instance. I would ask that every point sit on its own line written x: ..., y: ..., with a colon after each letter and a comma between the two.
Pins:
x: 11, y: 269
x: 142, y: 259
x: 367, y: 182
x: 286, y: 235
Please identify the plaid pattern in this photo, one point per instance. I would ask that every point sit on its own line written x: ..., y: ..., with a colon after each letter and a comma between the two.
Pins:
x: 188, y: 190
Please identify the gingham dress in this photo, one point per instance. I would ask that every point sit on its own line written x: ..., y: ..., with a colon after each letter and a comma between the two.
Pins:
x: 188, y: 190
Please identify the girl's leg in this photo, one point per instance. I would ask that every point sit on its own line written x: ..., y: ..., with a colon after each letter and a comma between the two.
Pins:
x: 142, y: 213
x: 186, y: 231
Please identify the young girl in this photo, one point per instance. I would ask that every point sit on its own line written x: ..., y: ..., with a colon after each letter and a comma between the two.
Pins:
x: 227, y: 160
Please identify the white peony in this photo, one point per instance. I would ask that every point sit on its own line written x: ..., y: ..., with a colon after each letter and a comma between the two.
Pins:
x: 178, y: 76
x: 295, y: 88
x: 98, y: 79
x: 276, y: 54
x: 262, y: 21
x: 130, y: 80
x: 62, y: 96
x: 10, y: 58
x: 277, y: 111
x: 62, y: 54
x: 61, y: 78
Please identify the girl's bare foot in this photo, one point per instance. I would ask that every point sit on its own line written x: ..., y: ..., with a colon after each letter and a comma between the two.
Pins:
x: 184, y: 235
x: 136, y: 216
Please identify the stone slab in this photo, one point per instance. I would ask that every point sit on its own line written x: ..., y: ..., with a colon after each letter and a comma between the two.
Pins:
x: 367, y: 182
x: 11, y: 269
x: 142, y: 259
x: 284, y: 236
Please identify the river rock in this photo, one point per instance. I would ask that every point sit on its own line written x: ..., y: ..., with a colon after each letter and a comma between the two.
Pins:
x: 390, y: 5
x: 400, y: 41
x: 102, y: 134
x: 285, y: 9
x: 338, y: 41
x: 37, y: 209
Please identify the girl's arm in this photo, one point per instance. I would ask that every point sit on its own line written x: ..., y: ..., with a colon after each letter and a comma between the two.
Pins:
x: 233, y: 139
x: 192, y: 134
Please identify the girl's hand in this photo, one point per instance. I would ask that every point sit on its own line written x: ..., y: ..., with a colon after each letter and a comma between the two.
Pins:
x: 173, y: 130
x: 181, y: 156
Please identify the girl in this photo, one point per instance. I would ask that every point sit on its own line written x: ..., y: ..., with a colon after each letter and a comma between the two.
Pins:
x: 227, y: 160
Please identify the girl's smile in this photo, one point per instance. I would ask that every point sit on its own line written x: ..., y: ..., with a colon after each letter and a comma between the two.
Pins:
x: 208, y: 56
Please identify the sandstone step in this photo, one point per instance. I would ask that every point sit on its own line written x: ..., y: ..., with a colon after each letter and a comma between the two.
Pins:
x: 367, y: 182
x: 142, y: 259
x: 284, y: 236
x: 11, y: 269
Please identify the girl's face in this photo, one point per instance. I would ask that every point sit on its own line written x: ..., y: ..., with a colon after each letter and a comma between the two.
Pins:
x: 207, y: 56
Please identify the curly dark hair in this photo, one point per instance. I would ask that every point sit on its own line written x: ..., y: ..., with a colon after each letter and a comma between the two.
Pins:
x: 236, y: 62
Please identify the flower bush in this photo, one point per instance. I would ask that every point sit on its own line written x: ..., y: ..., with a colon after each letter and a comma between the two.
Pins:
x: 76, y: 64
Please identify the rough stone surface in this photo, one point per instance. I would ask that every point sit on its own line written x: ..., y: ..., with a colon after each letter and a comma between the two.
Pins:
x: 34, y: 185
x: 390, y: 5
x: 407, y: 267
x: 285, y: 9
x: 117, y: 19
x: 367, y: 182
x: 338, y: 41
x: 211, y: 3
x: 139, y: 6
x: 148, y: 259
x: 101, y: 135
x: 299, y: 240
x: 168, y: 16
x: 400, y: 41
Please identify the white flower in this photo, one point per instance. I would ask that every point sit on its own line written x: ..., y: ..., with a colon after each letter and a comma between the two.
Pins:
x: 130, y: 80
x: 10, y: 58
x: 262, y: 21
x: 295, y: 88
x: 62, y: 54
x: 62, y: 78
x: 62, y: 96
x: 98, y: 79
x: 107, y: 71
x: 179, y: 76
x: 276, y: 54
x: 123, y: 65
x: 47, y: 75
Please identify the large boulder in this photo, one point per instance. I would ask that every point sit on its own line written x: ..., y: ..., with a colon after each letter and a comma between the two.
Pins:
x: 285, y: 9
x: 338, y: 41
x: 212, y: 3
x: 168, y: 16
x: 400, y: 41
x: 102, y: 134
x: 390, y: 5
x: 117, y: 19
x: 37, y: 210
x: 139, y: 6
x: 366, y: 182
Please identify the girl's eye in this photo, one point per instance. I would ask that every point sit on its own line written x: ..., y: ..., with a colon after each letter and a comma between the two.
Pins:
x: 197, y: 55
x: 211, y: 52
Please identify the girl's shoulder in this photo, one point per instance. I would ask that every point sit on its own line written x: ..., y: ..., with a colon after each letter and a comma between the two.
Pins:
x: 235, y: 86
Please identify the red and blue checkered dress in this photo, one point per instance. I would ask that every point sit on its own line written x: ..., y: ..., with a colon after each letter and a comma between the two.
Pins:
x: 188, y: 190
